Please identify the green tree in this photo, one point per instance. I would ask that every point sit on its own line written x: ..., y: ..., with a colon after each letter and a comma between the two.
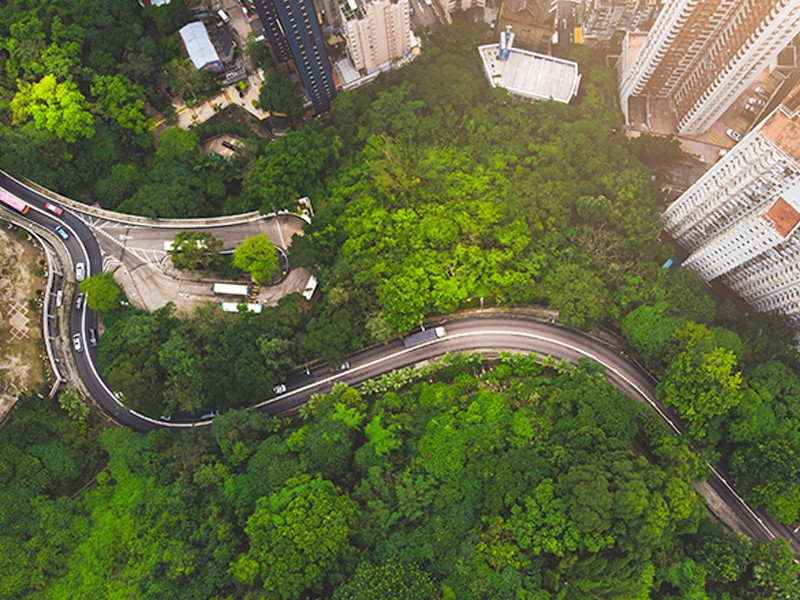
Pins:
x: 389, y: 580
x: 256, y: 255
x: 103, y: 295
x: 577, y: 294
x: 178, y: 145
x: 279, y: 94
x: 56, y: 107
x: 121, y: 101
x: 192, y: 250
x: 701, y: 381
x: 72, y: 404
x: 299, y: 538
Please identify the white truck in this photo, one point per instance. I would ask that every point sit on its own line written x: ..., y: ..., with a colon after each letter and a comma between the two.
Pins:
x: 426, y: 335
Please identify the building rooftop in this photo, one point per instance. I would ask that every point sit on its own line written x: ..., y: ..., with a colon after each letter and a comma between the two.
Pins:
x: 784, y: 132
x: 527, y: 12
x: 530, y: 74
x: 198, y: 45
x: 782, y: 217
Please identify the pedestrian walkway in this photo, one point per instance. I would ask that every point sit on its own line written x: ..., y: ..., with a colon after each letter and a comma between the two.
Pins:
x: 194, y: 115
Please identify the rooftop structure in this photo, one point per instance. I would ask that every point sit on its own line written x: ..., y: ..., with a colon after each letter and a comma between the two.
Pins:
x: 739, y: 221
x: 198, y: 45
x: 529, y: 74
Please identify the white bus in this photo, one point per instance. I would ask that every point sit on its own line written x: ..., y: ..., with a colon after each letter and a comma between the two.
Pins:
x: 233, y: 307
x: 231, y: 289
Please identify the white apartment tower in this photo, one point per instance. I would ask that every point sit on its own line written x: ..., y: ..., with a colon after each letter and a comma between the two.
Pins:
x: 377, y: 31
x: 739, y: 220
x: 702, y: 54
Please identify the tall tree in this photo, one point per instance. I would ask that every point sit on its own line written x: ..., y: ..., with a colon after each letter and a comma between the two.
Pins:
x: 256, y: 255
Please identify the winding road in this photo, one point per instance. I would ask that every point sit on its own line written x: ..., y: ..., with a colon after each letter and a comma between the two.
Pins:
x: 489, y: 334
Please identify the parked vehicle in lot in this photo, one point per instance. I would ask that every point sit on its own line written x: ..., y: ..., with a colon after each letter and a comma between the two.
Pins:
x: 279, y: 389
x: 53, y: 208
x: 734, y: 135
x: 762, y: 92
x: 79, y: 301
x: 92, y: 338
x: 62, y: 233
x: 77, y: 343
x: 755, y: 101
x: 80, y: 271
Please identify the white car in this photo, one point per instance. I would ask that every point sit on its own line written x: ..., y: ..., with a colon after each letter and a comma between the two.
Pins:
x: 77, y: 343
x: 734, y: 135
x: 80, y: 271
x: 279, y: 389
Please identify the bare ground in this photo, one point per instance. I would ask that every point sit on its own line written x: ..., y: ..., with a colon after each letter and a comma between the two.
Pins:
x: 21, y: 346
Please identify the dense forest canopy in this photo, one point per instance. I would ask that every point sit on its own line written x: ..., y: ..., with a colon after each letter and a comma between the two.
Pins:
x: 463, y: 481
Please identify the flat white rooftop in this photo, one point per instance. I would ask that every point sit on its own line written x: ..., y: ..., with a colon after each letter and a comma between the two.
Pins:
x: 532, y: 75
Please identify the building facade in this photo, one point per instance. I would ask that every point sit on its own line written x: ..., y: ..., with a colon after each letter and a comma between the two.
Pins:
x: 739, y: 220
x: 293, y: 33
x: 701, y: 54
x: 377, y: 31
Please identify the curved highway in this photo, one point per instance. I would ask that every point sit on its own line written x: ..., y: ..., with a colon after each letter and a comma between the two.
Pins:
x: 492, y: 334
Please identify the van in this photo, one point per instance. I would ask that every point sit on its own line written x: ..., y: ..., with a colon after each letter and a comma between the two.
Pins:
x: 223, y: 16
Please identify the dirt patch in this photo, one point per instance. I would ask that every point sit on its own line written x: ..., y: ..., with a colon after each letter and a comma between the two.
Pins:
x: 21, y: 347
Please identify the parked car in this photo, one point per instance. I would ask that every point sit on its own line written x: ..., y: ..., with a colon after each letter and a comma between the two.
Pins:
x: 62, y: 233
x: 279, y: 389
x: 80, y: 271
x: 762, y: 92
x: 755, y: 101
x: 77, y: 343
x: 79, y: 301
x: 734, y: 135
x: 53, y: 208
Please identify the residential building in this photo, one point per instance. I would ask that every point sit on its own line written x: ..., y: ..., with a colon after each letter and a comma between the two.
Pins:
x: 294, y: 34
x: 532, y: 22
x: 701, y: 55
x: 377, y: 31
x: 739, y: 221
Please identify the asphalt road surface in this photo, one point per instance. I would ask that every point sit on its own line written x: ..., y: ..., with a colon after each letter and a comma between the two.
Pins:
x: 491, y: 334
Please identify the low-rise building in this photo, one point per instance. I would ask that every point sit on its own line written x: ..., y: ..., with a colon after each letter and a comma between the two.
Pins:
x: 199, y: 47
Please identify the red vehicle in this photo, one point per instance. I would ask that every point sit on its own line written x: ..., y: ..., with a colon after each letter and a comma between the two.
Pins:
x: 53, y: 208
x: 245, y: 12
x: 13, y: 202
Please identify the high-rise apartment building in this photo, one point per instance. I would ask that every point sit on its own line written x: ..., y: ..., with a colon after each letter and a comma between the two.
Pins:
x: 377, y: 31
x: 702, y: 54
x: 294, y: 34
x: 739, y: 220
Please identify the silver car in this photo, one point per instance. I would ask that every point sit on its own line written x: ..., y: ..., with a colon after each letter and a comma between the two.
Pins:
x: 77, y: 343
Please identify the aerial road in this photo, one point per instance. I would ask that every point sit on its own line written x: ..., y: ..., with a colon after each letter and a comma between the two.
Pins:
x: 490, y: 334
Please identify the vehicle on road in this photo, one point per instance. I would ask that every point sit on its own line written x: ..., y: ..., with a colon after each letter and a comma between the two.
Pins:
x: 426, y: 335
x: 77, y: 343
x: 80, y: 271
x: 166, y: 417
x: 79, y: 301
x: 53, y: 208
x: 280, y: 388
x: 245, y: 12
x: 211, y: 415
x: 62, y: 233
x: 231, y: 289
x: 344, y: 366
x: 13, y: 202
x: 733, y: 134
x: 223, y: 16
x: 92, y: 337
